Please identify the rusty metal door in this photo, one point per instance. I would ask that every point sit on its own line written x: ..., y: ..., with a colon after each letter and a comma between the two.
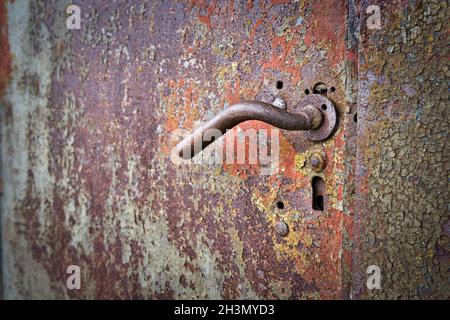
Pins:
x: 91, y: 116
x: 402, y: 219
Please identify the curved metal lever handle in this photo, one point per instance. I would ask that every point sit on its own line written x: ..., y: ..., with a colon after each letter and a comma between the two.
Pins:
x: 308, y: 118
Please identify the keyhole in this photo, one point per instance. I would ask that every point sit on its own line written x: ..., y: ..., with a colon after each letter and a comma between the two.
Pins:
x: 318, y: 193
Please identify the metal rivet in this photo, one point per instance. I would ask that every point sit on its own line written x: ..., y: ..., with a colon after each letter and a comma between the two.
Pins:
x: 317, y: 162
x: 314, y: 161
x: 282, y: 228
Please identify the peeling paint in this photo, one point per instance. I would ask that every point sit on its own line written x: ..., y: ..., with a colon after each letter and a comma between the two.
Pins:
x: 87, y: 134
x: 403, y: 154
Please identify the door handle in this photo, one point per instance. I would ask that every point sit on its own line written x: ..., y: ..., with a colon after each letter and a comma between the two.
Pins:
x: 315, y: 114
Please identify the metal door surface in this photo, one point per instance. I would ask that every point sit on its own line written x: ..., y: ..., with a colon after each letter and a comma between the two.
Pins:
x: 401, y: 218
x: 91, y: 115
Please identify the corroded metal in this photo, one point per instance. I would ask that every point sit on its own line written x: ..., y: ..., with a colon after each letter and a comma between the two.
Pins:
x: 282, y: 228
x: 330, y: 118
x: 309, y: 118
x: 87, y: 118
x: 317, y: 161
x: 87, y: 133
x: 403, y: 152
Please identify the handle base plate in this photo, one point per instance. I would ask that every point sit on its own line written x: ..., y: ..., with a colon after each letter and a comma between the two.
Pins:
x: 330, y: 118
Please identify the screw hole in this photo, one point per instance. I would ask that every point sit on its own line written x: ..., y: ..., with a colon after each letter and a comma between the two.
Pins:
x: 307, y: 91
x: 279, y: 84
x: 332, y: 89
x: 355, y: 117
x: 280, y: 205
x: 324, y: 107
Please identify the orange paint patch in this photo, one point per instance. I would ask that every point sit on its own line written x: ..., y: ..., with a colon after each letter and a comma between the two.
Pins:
x: 328, y: 28
x: 330, y: 244
x: 249, y: 4
x: 232, y: 8
x: 287, y: 159
x: 253, y: 31
x: 206, y: 19
x: 176, y: 107
x: 232, y: 94
x: 182, y: 110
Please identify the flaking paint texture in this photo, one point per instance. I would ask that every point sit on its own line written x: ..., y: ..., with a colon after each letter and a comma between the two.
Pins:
x: 86, y: 134
x: 403, y: 152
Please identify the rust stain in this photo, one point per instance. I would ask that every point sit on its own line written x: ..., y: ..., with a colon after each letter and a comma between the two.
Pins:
x: 5, y: 54
x: 206, y: 19
x: 399, y: 169
x: 326, y: 27
x: 99, y: 188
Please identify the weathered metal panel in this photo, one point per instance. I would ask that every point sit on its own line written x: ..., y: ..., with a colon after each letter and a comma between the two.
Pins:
x: 87, y: 139
x: 403, y: 152
x: 87, y: 125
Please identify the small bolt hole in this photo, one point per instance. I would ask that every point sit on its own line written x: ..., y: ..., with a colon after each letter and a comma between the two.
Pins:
x: 332, y: 89
x: 280, y: 205
x: 279, y: 84
x: 307, y: 91
x: 355, y: 117
x: 324, y: 107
